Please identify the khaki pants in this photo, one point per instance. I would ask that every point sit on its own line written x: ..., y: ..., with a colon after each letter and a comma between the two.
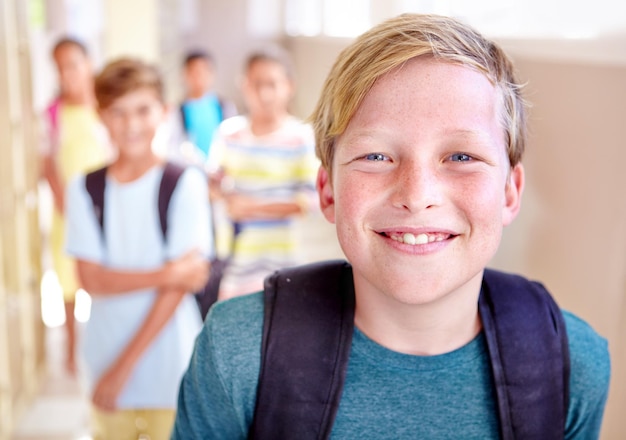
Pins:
x: 145, y: 424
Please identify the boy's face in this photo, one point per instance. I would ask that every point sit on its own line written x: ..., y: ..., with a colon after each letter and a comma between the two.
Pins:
x: 199, y: 77
x: 267, y: 88
x: 132, y: 121
x: 74, y: 70
x: 421, y: 186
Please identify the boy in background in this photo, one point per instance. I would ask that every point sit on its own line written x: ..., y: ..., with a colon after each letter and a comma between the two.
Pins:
x: 262, y: 167
x: 420, y: 128
x: 201, y: 112
x: 143, y: 321
x: 74, y: 142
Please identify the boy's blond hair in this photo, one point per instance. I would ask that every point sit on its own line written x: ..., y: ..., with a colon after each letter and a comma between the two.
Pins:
x: 123, y: 76
x: 394, y: 42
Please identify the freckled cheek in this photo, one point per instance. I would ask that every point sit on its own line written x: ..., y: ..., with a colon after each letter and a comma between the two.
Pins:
x: 481, y: 201
x: 355, y: 218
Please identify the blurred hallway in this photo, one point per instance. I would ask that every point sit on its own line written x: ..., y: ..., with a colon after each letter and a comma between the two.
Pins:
x: 60, y: 411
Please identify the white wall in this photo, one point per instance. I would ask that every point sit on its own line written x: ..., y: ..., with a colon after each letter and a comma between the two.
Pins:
x: 132, y: 29
x: 571, y: 233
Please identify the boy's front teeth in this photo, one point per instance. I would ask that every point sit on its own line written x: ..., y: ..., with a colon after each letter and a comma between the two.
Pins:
x: 408, y: 238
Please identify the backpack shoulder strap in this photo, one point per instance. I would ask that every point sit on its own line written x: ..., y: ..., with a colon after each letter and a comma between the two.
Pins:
x: 528, y: 348
x: 171, y: 176
x: 183, y: 117
x: 307, y: 335
x: 94, y: 183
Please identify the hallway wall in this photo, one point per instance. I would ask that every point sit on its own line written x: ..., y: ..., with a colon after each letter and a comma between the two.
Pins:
x: 571, y: 233
x: 21, y: 328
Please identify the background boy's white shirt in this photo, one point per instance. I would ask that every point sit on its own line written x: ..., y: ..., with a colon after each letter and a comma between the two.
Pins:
x: 134, y: 242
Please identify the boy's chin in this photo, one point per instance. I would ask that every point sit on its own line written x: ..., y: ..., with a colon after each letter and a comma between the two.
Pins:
x: 135, y: 151
x: 413, y: 289
x: 417, y: 297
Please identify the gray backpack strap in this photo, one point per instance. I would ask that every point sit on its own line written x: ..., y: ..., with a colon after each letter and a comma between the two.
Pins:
x: 302, y: 369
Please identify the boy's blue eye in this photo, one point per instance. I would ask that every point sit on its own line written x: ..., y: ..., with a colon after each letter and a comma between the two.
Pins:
x: 460, y: 157
x: 375, y: 157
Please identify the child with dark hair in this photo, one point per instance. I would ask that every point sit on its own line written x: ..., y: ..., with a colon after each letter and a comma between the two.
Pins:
x: 202, y: 110
x: 74, y: 141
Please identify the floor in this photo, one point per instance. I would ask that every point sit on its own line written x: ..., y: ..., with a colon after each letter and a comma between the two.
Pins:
x: 60, y: 412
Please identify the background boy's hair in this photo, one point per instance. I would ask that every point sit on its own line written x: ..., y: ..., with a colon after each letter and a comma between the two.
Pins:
x: 398, y: 40
x: 68, y: 41
x: 272, y: 53
x: 123, y: 76
x: 198, y: 54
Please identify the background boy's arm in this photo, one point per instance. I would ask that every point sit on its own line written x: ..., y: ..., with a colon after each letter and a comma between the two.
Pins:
x: 112, y: 381
x: 188, y: 273
x: 241, y: 207
x: 48, y: 132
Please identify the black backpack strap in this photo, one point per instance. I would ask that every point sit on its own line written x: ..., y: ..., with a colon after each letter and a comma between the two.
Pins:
x: 171, y: 175
x: 527, y: 343
x: 94, y: 183
x: 307, y: 336
x: 183, y: 117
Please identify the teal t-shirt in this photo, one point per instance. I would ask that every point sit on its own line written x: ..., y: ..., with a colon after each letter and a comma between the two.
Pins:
x: 386, y: 395
x: 202, y: 117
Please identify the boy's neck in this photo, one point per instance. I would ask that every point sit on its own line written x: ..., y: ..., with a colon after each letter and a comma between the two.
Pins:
x: 426, y: 330
x: 126, y: 169
x: 197, y: 94
x: 85, y: 98
x: 266, y: 124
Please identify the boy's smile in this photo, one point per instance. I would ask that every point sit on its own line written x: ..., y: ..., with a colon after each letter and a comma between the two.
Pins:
x: 421, y: 184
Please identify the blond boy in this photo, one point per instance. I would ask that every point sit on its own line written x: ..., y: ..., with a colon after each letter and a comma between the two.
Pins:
x: 420, y: 128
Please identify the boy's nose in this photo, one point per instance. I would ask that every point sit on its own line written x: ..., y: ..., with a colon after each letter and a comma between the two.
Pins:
x: 417, y: 186
x: 132, y: 121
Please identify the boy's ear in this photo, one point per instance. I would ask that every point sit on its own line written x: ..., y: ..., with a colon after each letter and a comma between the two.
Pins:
x: 325, y: 192
x: 513, y: 194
